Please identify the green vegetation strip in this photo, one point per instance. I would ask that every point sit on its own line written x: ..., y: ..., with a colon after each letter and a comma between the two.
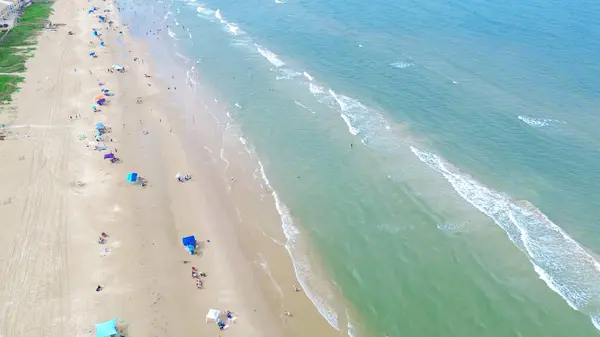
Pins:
x: 8, y: 85
x: 18, y: 45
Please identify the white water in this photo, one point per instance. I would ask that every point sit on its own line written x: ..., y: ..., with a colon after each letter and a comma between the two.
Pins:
x: 564, y: 265
x: 301, y: 264
x: 271, y: 57
x: 538, y: 122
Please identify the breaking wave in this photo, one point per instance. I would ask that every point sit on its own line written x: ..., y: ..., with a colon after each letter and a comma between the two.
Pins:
x: 562, y: 263
x: 301, y: 264
x: 538, y: 122
x: 270, y: 56
x: 401, y: 65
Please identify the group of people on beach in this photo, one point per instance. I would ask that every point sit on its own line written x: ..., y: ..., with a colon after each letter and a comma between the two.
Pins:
x: 198, y: 276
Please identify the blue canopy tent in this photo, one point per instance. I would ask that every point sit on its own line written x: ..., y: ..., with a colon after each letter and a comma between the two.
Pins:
x: 108, y: 328
x: 132, y: 177
x: 190, y: 244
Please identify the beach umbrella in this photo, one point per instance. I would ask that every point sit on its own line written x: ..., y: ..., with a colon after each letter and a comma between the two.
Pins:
x: 178, y: 176
x: 132, y: 177
x: 106, y: 329
x: 101, y: 101
x: 102, y: 43
x: 100, y: 97
x: 99, y: 126
x: 92, y: 53
x: 189, y: 241
x: 109, y: 156
x: 117, y: 67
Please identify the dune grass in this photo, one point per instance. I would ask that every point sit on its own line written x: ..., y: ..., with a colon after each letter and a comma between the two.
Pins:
x: 18, y: 45
x: 8, y: 85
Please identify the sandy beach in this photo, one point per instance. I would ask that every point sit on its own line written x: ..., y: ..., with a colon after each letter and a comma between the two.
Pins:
x: 58, y: 194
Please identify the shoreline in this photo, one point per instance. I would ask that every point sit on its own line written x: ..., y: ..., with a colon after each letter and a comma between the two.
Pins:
x: 142, y: 281
x: 223, y: 130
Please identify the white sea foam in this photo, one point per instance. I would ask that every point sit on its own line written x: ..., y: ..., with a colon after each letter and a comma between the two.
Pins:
x: 401, y: 65
x: 300, y: 262
x: 351, y: 329
x: 307, y: 75
x: 564, y: 265
x: 204, y: 11
x: 451, y: 227
x: 354, y: 131
x: 182, y: 57
x: 235, y: 30
x: 304, y: 106
x: 346, y: 106
x: 359, y: 119
x: 222, y: 155
x: 218, y: 15
x: 538, y: 122
x: 596, y: 320
x: 242, y: 140
x: 287, y: 74
x: 271, y: 57
x: 315, y: 89
x: 172, y: 34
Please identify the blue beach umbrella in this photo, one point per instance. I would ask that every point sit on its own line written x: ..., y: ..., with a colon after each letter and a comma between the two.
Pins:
x: 108, y: 328
x: 132, y: 177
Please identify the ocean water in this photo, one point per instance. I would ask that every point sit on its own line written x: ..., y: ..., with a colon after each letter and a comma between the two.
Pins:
x: 442, y: 155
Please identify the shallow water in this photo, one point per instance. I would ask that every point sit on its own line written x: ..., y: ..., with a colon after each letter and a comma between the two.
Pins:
x: 441, y: 156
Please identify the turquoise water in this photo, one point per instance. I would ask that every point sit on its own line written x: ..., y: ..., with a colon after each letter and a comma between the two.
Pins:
x: 442, y: 155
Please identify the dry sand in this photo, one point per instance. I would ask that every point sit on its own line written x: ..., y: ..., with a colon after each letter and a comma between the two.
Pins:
x: 58, y: 195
